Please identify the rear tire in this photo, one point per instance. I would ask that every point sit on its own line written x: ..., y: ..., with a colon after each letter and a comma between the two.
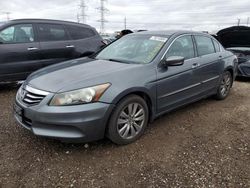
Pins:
x: 128, y: 121
x: 225, y: 86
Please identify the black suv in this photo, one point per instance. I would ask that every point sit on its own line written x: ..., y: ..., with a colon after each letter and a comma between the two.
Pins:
x: 30, y: 44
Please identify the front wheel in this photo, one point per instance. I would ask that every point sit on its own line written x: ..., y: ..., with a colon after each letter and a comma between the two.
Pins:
x: 129, y: 120
x: 225, y: 86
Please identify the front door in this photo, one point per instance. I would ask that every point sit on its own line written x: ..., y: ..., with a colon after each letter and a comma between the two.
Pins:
x: 19, y: 52
x: 175, y: 84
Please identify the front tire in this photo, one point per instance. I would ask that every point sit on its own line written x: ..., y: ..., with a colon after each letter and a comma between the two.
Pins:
x: 225, y: 86
x: 128, y: 121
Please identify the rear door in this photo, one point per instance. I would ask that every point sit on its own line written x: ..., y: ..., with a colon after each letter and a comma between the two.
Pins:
x: 209, y: 66
x: 176, y: 85
x: 84, y: 39
x: 19, y: 52
x: 55, y: 43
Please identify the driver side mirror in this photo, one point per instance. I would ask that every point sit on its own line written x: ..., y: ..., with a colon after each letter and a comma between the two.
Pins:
x: 173, y: 61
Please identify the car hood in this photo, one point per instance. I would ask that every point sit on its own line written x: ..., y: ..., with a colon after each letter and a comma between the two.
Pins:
x: 236, y: 36
x: 76, y: 74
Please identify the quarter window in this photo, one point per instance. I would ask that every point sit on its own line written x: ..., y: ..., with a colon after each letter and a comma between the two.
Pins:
x: 204, y: 45
x: 183, y: 47
x: 79, y: 32
x: 22, y: 33
x: 52, y: 32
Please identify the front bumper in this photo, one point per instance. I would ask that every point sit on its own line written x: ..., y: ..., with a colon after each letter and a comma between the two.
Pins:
x: 81, y: 123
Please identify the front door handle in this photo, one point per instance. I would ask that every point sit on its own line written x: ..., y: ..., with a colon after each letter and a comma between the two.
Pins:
x: 32, y: 48
x: 195, y: 65
x: 70, y: 46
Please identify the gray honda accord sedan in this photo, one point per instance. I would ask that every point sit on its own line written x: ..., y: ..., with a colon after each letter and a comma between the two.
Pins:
x: 119, y: 90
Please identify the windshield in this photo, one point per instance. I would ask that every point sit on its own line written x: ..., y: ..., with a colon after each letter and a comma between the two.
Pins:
x: 133, y: 49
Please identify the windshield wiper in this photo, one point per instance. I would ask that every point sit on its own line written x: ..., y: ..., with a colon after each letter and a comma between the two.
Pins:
x: 119, y: 60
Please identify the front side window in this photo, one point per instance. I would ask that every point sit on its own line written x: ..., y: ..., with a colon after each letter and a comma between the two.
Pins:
x: 22, y: 33
x: 52, y: 32
x: 134, y: 49
x: 204, y: 45
x: 183, y: 47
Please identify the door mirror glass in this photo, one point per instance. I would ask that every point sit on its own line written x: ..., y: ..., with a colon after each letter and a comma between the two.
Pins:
x: 174, y: 61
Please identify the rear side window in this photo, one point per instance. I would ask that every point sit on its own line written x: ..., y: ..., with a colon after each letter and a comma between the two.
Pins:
x: 204, y: 45
x: 21, y: 33
x: 77, y: 32
x: 52, y: 32
x: 217, y: 46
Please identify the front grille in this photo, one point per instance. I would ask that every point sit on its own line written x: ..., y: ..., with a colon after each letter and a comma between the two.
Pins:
x: 31, y: 96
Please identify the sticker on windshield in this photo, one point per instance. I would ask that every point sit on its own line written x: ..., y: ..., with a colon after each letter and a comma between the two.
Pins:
x: 161, y: 39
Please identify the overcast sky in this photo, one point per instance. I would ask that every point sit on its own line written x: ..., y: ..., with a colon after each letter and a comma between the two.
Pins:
x: 202, y: 15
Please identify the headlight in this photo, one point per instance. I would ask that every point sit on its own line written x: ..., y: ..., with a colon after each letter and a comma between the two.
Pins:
x: 81, y: 96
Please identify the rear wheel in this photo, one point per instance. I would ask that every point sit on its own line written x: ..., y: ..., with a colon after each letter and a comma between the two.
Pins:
x: 129, y: 120
x: 225, y: 86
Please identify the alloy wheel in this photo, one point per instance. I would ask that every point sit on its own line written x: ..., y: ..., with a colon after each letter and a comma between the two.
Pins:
x: 226, y: 84
x: 130, y: 121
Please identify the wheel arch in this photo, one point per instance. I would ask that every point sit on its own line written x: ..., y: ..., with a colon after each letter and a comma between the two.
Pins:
x: 143, y: 93
x: 230, y: 69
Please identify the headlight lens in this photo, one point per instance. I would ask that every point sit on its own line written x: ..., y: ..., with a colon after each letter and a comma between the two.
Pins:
x: 81, y: 96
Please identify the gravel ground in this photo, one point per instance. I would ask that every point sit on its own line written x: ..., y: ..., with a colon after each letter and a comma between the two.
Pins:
x: 202, y: 145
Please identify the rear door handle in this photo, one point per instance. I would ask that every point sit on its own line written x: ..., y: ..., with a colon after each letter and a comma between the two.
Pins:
x: 32, y: 48
x: 195, y: 65
x: 70, y: 46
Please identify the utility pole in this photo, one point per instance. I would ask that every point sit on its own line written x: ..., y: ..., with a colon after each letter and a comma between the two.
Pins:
x: 78, y: 18
x: 102, y: 10
x: 238, y: 22
x: 7, y: 15
x: 125, y: 23
x: 248, y: 19
x: 83, y: 8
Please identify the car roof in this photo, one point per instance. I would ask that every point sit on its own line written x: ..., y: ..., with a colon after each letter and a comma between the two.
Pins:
x: 45, y: 21
x: 170, y: 32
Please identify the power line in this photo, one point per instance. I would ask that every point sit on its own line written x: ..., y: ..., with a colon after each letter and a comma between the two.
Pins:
x: 102, y: 10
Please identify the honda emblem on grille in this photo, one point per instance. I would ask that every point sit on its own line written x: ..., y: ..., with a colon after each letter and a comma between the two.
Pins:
x: 22, y: 94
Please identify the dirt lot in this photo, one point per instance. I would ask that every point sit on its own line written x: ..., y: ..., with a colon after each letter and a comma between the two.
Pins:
x: 206, y: 144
